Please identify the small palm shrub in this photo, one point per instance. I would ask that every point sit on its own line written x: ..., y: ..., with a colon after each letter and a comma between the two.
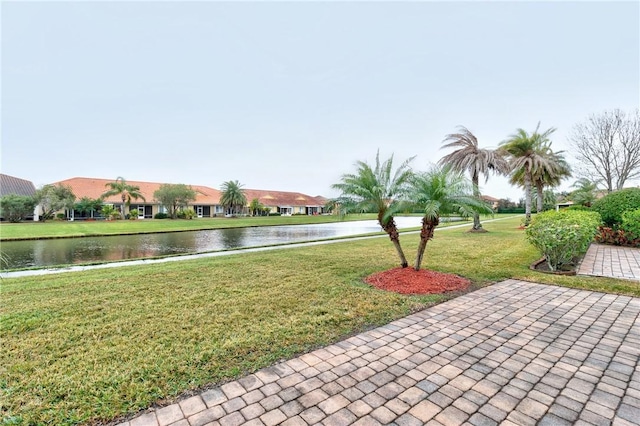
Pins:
x: 562, y: 236
x: 612, y: 206
x: 133, y: 214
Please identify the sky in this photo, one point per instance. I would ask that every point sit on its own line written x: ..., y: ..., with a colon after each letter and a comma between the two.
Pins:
x: 289, y: 95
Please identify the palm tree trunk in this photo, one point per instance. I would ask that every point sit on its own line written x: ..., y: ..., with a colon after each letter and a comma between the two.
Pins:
x: 391, y: 230
x: 527, y: 196
x: 426, y: 233
x: 540, y: 197
x: 476, y: 193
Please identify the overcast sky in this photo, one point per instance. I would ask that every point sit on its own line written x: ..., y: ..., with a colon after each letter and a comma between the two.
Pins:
x: 288, y: 95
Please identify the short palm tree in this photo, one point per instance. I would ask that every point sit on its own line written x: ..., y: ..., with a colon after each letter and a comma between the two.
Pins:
x: 126, y: 192
x: 585, y: 192
x: 477, y: 161
x: 526, y: 154
x: 442, y: 190
x: 549, y: 174
x: 233, y: 198
x: 379, y: 188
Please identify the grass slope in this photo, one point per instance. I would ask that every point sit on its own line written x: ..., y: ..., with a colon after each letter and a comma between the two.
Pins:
x: 97, y: 345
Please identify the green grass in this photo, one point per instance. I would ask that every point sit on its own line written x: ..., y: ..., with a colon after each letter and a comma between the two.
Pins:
x: 93, y: 346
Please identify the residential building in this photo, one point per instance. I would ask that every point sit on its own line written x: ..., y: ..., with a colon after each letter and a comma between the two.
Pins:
x: 207, y: 202
x: 10, y: 185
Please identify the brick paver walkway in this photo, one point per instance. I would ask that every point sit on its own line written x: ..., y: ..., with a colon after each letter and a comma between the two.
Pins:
x: 611, y: 261
x: 512, y: 353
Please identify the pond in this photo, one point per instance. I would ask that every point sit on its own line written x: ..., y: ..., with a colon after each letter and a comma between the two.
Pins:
x: 67, y: 251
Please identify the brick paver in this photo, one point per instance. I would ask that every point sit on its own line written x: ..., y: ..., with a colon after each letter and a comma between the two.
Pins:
x: 611, y: 261
x: 513, y: 353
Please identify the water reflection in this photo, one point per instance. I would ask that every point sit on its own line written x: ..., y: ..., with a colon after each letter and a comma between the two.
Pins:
x: 41, y: 253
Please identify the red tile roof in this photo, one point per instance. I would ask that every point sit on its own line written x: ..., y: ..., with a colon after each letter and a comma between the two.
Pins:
x: 283, y: 199
x: 94, y: 188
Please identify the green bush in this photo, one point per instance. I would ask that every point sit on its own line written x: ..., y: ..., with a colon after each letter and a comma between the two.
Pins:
x: 161, y: 216
x: 562, y: 236
x: 631, y: 223
x: 577, y: 207
x: 612, y: 206
x: 274, y: 214
x: 15, y: 208
x: 186, y: 214
x: 133, y: 214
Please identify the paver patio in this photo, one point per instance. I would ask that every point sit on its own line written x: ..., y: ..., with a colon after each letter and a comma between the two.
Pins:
x: 611, y: 261
x: 511, y: 353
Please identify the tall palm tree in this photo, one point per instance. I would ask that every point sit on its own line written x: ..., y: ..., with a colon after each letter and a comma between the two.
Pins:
x: 126, y: 192
x: 233, y: 197
x: 550, y: 173
x: 477, y: 161
x: 585, y: 192
x: 526, y: 153
x: 442, y: 190
x: 380, y: 189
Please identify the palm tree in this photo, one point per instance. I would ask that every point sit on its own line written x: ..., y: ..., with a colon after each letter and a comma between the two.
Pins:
x: 526, y: 153
x: 550, y: 173
x: 233, y: 198
x: 442, y: 190
x: 585, y: 192
x: 378, y: 189
x: 126, y: 192
x: 469, y: 157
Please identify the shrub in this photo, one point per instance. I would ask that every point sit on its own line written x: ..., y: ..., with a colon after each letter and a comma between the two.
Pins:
x: 60, y: 216
x: 577, y: 207
x: 631, y: 223
x: 161, y: 216
x: 612, y: 206
x: 15, y: 208
x: 186, y: 214
x: 616, y: 237
x: 133, y: 214
x: 189, y: 213
x: 562, y: 236
x: 274, y: 214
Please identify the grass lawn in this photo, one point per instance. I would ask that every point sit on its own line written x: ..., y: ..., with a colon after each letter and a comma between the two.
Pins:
x: 92, y: 346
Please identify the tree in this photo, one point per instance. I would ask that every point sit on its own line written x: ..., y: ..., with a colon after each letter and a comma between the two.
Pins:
x: 477, y: 161
x: 233, y: 198
x: 607, y: 146
x: 550, y: 173
x: 255, y: 207
x: 87, y: 205
x: 15, y: 208
x: 525, y: 153
x: 584, y: 192
x: 126, y: 192
x: 52, y: 198
x: 378, y: 189
x: 174, y: 196
x: 442, y: 190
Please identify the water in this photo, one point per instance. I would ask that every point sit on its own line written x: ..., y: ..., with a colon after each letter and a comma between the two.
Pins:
x: 67, y: 251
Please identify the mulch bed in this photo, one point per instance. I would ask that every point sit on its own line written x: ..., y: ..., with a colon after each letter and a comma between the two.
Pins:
x: 410, y: 281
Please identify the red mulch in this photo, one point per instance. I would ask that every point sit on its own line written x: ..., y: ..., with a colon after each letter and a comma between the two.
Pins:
x: 410, y: 281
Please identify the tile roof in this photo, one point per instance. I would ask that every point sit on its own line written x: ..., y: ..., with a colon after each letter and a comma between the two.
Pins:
x: 94, y: 188
x: 14, y: 185
x: 283, y: 198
